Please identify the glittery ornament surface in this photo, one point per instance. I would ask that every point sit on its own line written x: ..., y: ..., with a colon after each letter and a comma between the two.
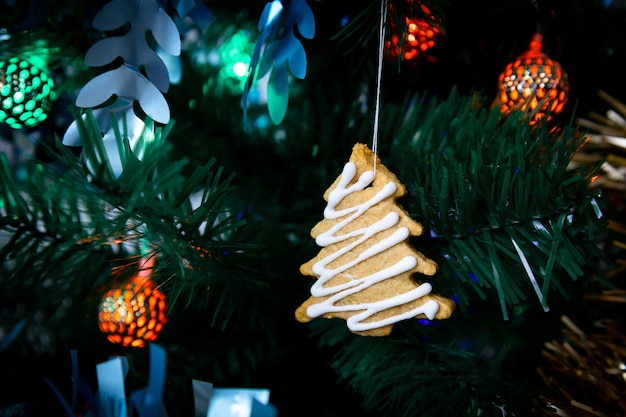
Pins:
x: 419, y: 34
x: 133, y: 315
x: 533, y: 81
x: 25, y: 93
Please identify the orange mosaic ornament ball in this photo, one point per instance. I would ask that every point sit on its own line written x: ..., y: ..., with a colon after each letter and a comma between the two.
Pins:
x: 533, y: 81
x: 134, y: 314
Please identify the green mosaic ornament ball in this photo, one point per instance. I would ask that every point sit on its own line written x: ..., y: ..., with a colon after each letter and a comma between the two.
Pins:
x: 26, y: 91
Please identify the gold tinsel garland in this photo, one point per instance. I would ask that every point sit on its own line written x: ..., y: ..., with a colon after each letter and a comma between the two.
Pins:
x: 586, y: 373
x: 606, y: 144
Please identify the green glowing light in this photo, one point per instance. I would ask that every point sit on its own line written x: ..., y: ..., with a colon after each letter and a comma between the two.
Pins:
x: 26, y: 92
x: 235, y: 54
x: 240, y: 69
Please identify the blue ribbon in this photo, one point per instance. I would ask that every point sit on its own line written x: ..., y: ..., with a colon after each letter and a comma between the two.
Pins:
x: 148, y: 401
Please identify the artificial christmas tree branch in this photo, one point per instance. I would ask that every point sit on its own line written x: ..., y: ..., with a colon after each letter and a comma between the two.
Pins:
x: 487, y: 224
x: 67, y: 226
x: 503, y: 208
x: 509, y: 223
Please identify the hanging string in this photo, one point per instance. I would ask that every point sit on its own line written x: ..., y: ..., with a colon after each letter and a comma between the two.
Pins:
x: 381, y: 50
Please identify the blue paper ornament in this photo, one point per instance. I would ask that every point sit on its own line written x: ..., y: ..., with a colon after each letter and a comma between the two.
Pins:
x: 195, y: 10
x: 279, y: 52
x: 111, y: 399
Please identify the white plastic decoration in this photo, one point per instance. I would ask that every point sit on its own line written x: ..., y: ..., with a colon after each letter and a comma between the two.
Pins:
x: 143, y: 76
x: 128, y: 85
x: 128, y: 124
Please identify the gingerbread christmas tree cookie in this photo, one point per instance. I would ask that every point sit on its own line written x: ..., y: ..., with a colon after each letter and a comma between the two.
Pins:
x: 365, y: 268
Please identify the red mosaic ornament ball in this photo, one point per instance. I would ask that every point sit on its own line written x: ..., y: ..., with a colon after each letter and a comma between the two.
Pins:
x: 134, y: 314
x: 533, y: 81
x: 419, y: 36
